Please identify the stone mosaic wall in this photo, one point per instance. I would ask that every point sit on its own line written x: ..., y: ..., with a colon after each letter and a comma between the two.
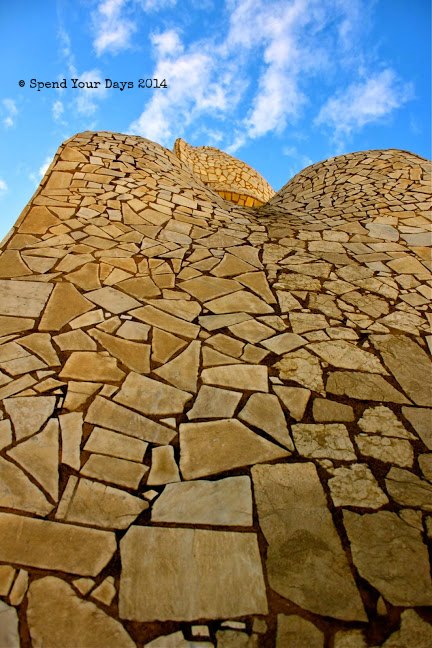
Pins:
x: 215, y: 421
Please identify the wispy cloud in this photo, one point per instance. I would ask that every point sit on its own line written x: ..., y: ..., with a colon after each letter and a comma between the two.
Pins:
x: 113, y: 30
x: 57, y: 110
x: 36, y: 176
x: 3, y: 187
x: 363, y: 103
x: 10, y: 112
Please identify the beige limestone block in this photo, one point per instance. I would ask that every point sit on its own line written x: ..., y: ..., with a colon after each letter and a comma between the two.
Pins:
x: 23, y: 298
x: 409, y: 490
x: 87, y: 277
x: 133, y: 331
x: 295, y: 399
x: 327, y: 411
x: 164, y: 468
x: 212, y: 402
x: 253, y: 377
x: 242, y: 300
x: 346, y: 355
x: 224, y: 502
x: 230, y: 581
x: 414, y: 632
x: 40, y: 344
x: 187, y: 309
x: 164, y: 345
x: 140, y: 287
x: 65, y: 304
x: 106, y: 414
x: 57, y: 617
x: 5, y: 434
x: 387, y: 449
x: 134, y: 355
x: 7, y: 575
x: 215, y: 322
x: 182, y: 371
x: 296, y: 632
x: 409, y: 265
x: 159, y: 319
x: 97, y: 505
x: 107, y: 442
x: 304, y: 322
x: 230, y: 266
x: 391, y: 556
x: 305, y: 559
x: 303, y: 368
x: 71, y: 434
x: 112, y: 300
x: 206, y: 288
x: 151, y: 397
x: 10, y: 325
x: 114, y: 470
x: 9, y: 632
x: 94, y: 317
x: 39, y: 455
x: 264, y: 412
x: 319, y: 440
x: 75, y: 341
x: 355, y: 485
x: 409, y: 364
x: 58, y: 180
x: 12, y: 265
x: 89, y: 365
x: 252, y: 331
x: 51, y: 545
x: 257, y: 281
x: 421, y: 420
x: 284, y: 343
x: 19, y: 588
x: 18, y: 492
x: 363, y: 386
x: 105, y: 592
x: 217, y: 446
x: 38, y: 220
x: 381, y: 420
x: 29, y: 413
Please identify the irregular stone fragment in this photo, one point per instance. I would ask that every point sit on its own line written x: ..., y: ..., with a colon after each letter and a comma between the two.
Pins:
x: 10, y: 325
x: 284, y: 343
x: 98, y: 505
x: 397, y: 451
x: 134, y: 355
x: 210, y: 448
x: 242, y: 300
x: 303, y: 322
x: 9, y: 633
x: 325, y: 411
x: 212, y: 402
x: 303, y: 368
x: 381, y: 420
x: 111, y: 443
x: 19, y: 588
x: 391, y: 556
x: 151, y: 397
x: 231, y: 582
x: 159, y: 319
x: 413, y: 632
x: 295, y: 399
x: 7, y: 575
x: 57, y: 617
x: 409, y: 490
x: 346, y: 355
x: 225, y: 502
x: 112, y: 300
x: 235, y: 639
x: 105, y: 592
x: 133, y: 331
x: 51, y: 545
x: 350, y: 639
x: 39, y: 455
x: 254, y: 377
x: 164, y: 345
x: 29, y: 413
x: 421, y: 420
x: 38, y: 220
x: 23, y: 298
x: 88, y: 365
x: 110, y: 415
x: 182, y: 372
x: 264, y: 411
x: 425, y: 463
x: 355, y: 485
x: 305, y: 560
x: 64, y: 305
x: 323, y: 440
x: 295, y: 632
x: 5, y: 434
x: 114, y: 470
x: 40, y: 344
x: 363, y: 386
x: 71, y: 434
x: 164, y: 468
x: 409, y: 364
x: 18, y: 492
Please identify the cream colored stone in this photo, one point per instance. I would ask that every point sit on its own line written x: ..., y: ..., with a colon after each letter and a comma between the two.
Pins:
x: 19, y: 588
x: 105, y: 592
x: 409, y: 490
x: 237, y: 377
x: 113, y: 470
x: 182, y: 371
x: 65, y: 304
x: 242, y: 300
x: 303, y: 368
x: 212, y: 402
x: 319, y: 440
x: 231, y: 582
x: 7, y: 575
x: 134, y: 355
x: 159, y: 319
x: 133, y: 331
x: 89, y: 365
x: 295, y: 400
x: 296, y: 632
x: 164, y: 345
x: 346, y: 355
x: 9, y: 632
x: 29, y: 413
x: 112, y: 300
x: 395, y: 451
x: 264, y: 412
x: 164, y: 468
x: 150, y: 396
x: 284, y: 343
x: 355, y: 485
x: 381, y: 420
x: 363, y: 386
x: 23, y: 298
x: 75, y: 341
x: 106, y: 442
x: 206, y: 288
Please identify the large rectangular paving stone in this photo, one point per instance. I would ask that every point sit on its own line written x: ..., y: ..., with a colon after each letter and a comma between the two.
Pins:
x: 187, y: 574
x: 23, y: 298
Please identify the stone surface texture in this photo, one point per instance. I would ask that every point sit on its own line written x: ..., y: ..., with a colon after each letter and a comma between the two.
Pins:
x: 215, y: 402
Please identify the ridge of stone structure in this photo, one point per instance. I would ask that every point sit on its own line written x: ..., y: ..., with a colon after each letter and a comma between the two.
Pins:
x: 216, y: 419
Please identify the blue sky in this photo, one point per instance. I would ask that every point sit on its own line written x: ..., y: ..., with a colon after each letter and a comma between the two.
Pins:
x: 280, y: 84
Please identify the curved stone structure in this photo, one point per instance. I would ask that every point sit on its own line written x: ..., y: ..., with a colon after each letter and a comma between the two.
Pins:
x: 232, y: 179
x: 215, y: 421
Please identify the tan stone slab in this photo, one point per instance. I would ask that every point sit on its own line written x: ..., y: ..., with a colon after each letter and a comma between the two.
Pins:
x: 303, y: 368
x: 345, y: 355
x: 105, y: 592
x: 75, y: 341
x: 264, y: 412
x: 40, y: 344
x: 57, y: 617
x: 18, y: 492
x: 328, y: 411
x: 182, y: 372
x: 87, y: 277
x: 71, y: 434
x: 253, y: 377
x: 284, y: 343
x: 10, y: 325
x: 224, y: 502
x: 355, y: 485
x: 133, y: 331
x: 187, y: 309
x: 38, y: 220
x: 295, y: 399
x: 110, y: 415
x: 295, y: 631
x: 320, y: 440
x: 413, y: 632
x: 231, y: 582
x: 23, y: 298
x: 5, y: 434
x: 151, y: 397
x: 230, y: 266
x: 421, y: 420
x: 409, y: 490
x: 381, y: 420
x: 164, y: 345
x: 217, y: 446
x: 7, y: 575
x: 12, y: 265
x: 305, y: 560
x: 409, y: 265
x: 257, y: 281
x: 112, y: 300
x: 29, y: 413
x: 164, y: 468
x: 114, y: 470
x: 65, y: 304
x: 134, y: 355
x: 215, y: 322
x: 51, y: 545
x: 107, y: 442
x: 242, y: 300
x: 9, y: 632
x: 212, y: 402
x: 206, y: 288
x: 89, y: 365
x: 409, y: 364
x: 252, y: 331
x: 363, y: 386
x: 159, y: 319
x: 140, y: 287
x: 391, y: 556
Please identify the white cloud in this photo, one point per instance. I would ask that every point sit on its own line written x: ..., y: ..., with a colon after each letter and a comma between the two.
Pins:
x: 156, y: 5
x: 363, y: 103
x: 3, y: 187
x: 297, y: 160
x: 36, y: 176
x: 57, y: 110
x: 113, y: 30
x: 10, y: 112
x: 87, y: 97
